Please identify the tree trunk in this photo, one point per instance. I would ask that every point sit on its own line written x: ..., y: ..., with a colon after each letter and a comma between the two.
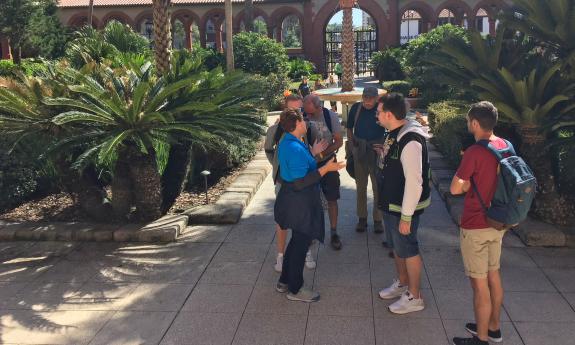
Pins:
x: 229, y: 37
x: 347, y: 54
x: 549, y: 205
x: 90, y: 13
x: 17, y: 54
x: 147, y: 185
x: 122, y: 197
x: 176, y: 174
x: 85, y: 190
x: 249, y: 17
x: 162, y: 35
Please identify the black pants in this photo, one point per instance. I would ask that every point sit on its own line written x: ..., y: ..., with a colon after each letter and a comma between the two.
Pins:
x: 294, y: 261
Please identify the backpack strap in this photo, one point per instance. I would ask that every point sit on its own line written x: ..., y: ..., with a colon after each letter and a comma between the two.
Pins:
x: 500, y: 154
x: 476, y: 191
x: 327, y: 118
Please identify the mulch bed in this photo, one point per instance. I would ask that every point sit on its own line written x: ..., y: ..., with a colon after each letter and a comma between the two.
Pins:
x: 60, y: 207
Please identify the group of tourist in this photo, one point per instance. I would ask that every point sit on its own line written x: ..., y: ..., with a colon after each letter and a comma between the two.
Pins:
x: 390, y: 150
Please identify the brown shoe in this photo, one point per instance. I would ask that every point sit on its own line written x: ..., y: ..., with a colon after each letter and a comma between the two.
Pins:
x: 361, y: 225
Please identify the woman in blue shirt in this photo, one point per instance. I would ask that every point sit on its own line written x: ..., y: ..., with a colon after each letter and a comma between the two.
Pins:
x: 298, y: 204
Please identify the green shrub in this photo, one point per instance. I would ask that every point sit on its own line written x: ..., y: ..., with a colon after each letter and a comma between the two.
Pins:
x: 30, y: 67
x: 400, y: 86
x: 272, y: 90
x: 256, y: 53
x: 299, y: 67
x: 449, y: 127
x: 386, y: 64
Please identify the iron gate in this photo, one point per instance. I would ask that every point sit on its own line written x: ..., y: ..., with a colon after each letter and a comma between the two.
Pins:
x: 365, y: 46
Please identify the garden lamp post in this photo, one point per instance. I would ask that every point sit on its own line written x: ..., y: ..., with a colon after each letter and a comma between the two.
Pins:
x: 205, y: 174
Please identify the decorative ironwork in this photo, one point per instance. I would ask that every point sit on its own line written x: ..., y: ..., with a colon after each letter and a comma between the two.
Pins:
x: 365, y: 46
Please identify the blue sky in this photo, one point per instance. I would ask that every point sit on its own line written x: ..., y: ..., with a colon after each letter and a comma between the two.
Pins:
x: 338, y: 17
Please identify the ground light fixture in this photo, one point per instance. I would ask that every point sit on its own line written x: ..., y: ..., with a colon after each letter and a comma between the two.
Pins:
x: 205, y: 174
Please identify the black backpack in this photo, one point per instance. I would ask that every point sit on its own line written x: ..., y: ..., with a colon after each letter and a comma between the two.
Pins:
x: 327, y: 119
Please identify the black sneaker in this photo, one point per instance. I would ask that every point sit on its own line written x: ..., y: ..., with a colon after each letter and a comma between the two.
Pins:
x: 378, y: 227
x: 494, y: 336
x: 361, y: 225
x: 469, y: 341
x: 335, y: 242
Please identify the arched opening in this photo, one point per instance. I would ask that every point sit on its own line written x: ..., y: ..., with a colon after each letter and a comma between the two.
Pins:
x: 365, y: 30
x: 184, y: 34
x: 79, y: 21
x: 411, y: 26
x: 482, y: 21
x: 446, y: 16
x: 146, y: 28
x: 290, y: 32
x: 260, y: 26
x: 216, y: 33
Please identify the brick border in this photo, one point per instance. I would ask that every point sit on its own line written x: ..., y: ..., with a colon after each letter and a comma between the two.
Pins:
x: 227, y: 210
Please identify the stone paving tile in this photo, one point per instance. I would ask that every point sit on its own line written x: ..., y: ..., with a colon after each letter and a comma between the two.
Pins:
x: 239, y: 252
x: 266, y: 300
x: 525, y: 279
x: 381, y: 311
x: 516, y: 257
x: 343, y: 275
x: 41, y: 296
x: 343, y: 301
x: 409, y: 331
x: 546, y: 333
x: 447, y: 277
x: 441, y: 256
x: 458, y: 304
x: 251, y: 234
x: 61, y: 327
x: 205, y: 233
x: 540, y: 307
x: 571, y: 299
x: 202, y: 328
x: 383, y: 274
x: 267, y: 329
x: 351, y: 254
x: 456, y: 328
x: 101, y: 296
x: 144, y: 327
x: 436, y: 235
x: 159, y: 297
x: 562, y: 278
x: 335, y: 330
x: 553, y: 257
x: 218, y: 298
x: 244, y: 273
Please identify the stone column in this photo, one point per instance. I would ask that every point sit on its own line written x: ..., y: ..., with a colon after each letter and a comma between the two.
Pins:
x: 218, y: 32
x: 188, y: 35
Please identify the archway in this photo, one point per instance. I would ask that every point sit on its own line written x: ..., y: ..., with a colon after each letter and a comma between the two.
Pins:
x: 446, y: 16
x: 260, y: 25
x: 411, y: 26
x: 145, y: 26
x: 365, y: 30
x: 291, y: 32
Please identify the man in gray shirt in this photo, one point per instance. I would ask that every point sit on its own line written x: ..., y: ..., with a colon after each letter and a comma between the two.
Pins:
x: 323, y: 124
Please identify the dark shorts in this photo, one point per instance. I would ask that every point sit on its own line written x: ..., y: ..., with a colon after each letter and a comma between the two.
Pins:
x: 404, y: 246
x: 330, y: 186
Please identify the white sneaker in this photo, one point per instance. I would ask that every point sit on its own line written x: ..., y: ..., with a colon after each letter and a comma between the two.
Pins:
x: 309, y: 261
x: 279, y: 262
x: 407, y: 304
x: 394, y: 291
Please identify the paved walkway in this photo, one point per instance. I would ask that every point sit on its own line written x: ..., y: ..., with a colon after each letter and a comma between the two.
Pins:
x: 216, y: 286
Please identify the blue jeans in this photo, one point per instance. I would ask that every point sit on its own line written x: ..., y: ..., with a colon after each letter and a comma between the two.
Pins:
x: 403, y: 246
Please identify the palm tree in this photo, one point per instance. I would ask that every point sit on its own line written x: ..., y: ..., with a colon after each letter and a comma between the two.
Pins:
x: 90, y: 12
x: 162, y: 35
x: 229, y: 37
x: 535, y: 100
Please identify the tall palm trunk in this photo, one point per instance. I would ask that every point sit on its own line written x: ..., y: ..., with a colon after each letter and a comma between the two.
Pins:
x: 229, y: 37
x: 90, y: 13
x: 176, y: 174
x: 249, y: 17
x: 147, y: 183
x: 549, y: 205
x: 347, y: 50
x: 162, y: 35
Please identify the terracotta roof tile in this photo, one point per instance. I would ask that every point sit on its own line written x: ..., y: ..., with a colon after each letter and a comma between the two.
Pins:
x: 99, y: 3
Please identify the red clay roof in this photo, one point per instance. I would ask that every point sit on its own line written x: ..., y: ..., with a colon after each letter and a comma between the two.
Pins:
x: 101, y: 3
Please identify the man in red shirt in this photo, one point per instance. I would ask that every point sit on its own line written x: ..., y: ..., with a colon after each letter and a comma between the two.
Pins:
x: 480, y: 243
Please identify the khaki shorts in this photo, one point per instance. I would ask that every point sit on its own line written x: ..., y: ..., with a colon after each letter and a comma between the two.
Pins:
x: 481, y: 251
